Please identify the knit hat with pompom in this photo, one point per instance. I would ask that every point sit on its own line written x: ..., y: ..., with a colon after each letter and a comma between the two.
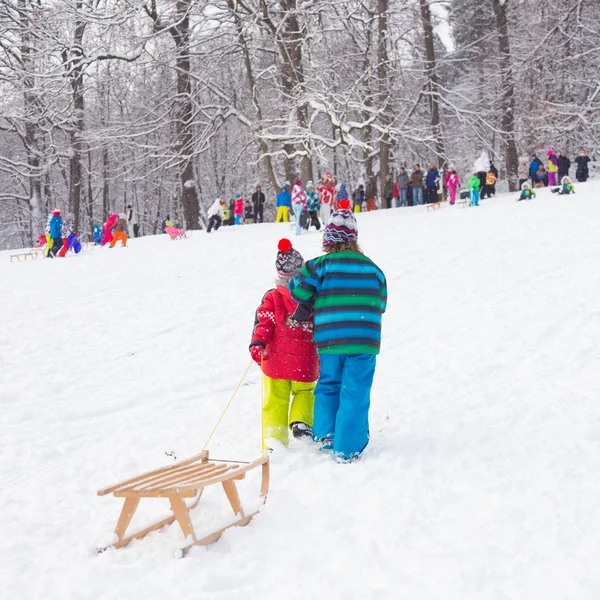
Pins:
x: 289, y: 261
x: 342, y: 227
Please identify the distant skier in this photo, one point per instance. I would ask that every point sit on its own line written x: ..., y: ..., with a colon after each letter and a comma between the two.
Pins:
x: 347, y: 333
x: 284, y: 349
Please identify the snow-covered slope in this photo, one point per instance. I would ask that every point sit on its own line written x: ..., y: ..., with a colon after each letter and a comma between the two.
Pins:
x: 482, y: 477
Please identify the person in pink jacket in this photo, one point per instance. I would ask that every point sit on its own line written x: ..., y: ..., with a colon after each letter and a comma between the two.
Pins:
x: 298, y: 203
x: 238, y: 209
x: 108, y: 227
x: 452, y: 184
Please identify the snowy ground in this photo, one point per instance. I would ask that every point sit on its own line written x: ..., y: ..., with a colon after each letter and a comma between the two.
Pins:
x: 482, y: 477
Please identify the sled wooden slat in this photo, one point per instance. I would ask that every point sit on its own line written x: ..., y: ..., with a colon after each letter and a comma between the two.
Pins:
x: 181, y: 484
x: 160, y: 477
x: 128, y: 482
x: 185, y: 479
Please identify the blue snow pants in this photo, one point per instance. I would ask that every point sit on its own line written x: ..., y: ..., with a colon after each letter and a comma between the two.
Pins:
x: 342, y: 400
x: 474, y: 198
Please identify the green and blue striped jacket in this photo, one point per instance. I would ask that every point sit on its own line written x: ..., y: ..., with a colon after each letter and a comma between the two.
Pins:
x: 348, y: 294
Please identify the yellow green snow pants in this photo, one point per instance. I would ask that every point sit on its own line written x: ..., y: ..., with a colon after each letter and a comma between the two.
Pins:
x: 278, y: 414
x: 282, y: 214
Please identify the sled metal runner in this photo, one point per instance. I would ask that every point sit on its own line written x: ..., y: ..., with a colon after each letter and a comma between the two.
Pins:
x: 185, y: 479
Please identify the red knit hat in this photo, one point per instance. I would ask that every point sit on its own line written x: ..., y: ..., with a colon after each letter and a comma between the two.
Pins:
x: 56, y: 212
x: 289, y: 260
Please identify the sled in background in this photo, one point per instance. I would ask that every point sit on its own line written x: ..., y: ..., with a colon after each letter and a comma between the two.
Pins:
x: 185, y: 479
x: 177, y: 234
x: 434, y: 205
x: 33, y: 254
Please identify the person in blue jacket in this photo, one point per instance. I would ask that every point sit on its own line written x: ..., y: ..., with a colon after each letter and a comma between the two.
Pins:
x: 432, y: 184
x: 534, y: 165
x: 98, y: 234
x: 55, y: 233
x: 283, y: 204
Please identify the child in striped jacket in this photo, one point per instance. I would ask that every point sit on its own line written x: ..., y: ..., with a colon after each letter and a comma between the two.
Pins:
x: 348, y: 294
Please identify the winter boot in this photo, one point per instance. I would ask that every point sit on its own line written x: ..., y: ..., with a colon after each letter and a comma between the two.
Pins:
x: 301, y: 430
x: 326, y: 444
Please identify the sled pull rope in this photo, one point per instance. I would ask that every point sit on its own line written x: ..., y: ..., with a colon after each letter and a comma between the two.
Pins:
x: 239, y: 385
x: 262, y: 421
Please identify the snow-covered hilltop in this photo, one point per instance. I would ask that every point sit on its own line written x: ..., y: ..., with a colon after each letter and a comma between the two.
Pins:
x: 481, y: 479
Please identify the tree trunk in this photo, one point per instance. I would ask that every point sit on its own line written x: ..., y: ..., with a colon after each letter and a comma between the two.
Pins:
x: 32, y: 132
x: 292, y: 74
x: 508, y: 95
x: 433, y: 83
x: 73, y: 62
x: 254, y: 93
x: 184, y: 115
x: 383, y: 95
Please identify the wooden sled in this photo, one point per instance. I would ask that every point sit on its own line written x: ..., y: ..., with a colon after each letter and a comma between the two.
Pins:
x: 434, y: 205
x: 185, y: 479
x: 30, y: 254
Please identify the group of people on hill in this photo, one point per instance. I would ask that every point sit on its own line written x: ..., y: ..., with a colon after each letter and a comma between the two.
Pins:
x: 59, y: 236
x: 557, y: 168
x: 316, y: 340
x: 556, y: 176
x: 118, y: 228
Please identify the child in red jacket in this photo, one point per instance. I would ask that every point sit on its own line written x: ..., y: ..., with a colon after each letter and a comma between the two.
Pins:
x: 285, y: 351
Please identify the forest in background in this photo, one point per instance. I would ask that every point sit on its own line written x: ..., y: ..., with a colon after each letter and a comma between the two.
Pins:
x: 168, y: 104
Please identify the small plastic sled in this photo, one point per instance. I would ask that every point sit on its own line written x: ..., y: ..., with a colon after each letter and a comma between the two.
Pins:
x: 177, y: 234
x: 185, y: 479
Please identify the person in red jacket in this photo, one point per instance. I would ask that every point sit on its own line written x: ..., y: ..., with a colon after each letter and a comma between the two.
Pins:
x: 287, y: 355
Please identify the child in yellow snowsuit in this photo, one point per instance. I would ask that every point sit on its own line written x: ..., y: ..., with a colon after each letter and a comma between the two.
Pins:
x: 285, y: 350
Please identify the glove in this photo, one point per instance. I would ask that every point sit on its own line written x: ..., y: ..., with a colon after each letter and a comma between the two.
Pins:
x: 258, y: 354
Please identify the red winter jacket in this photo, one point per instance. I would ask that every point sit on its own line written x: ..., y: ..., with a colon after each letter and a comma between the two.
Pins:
x: 290, y: 350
